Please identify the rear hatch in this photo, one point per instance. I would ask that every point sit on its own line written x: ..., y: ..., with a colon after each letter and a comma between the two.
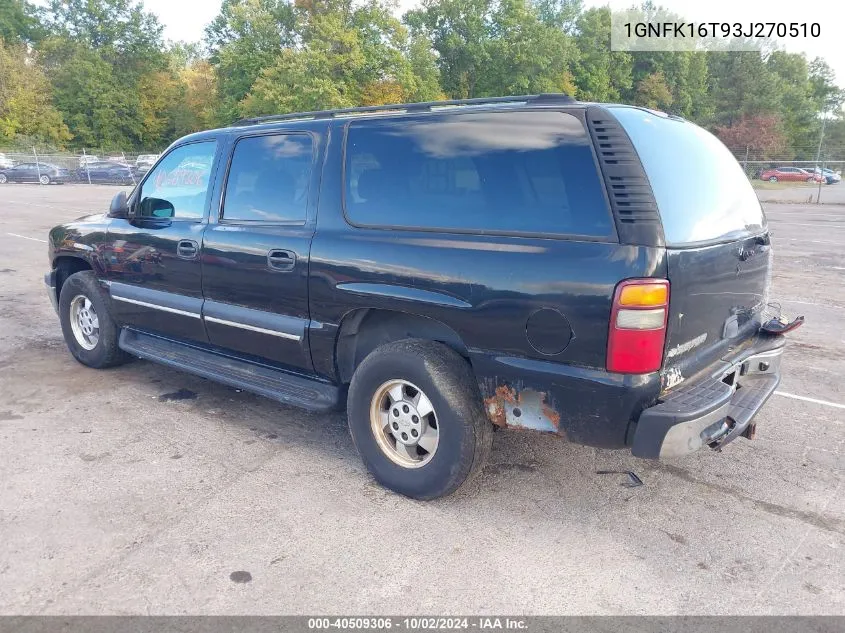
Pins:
x: 719, y: 256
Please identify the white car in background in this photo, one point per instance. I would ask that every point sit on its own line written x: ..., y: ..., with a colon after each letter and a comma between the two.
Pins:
x: 144, y: 162
x: 87, y: 159
x: 830, y: 177
x: 6, y: 163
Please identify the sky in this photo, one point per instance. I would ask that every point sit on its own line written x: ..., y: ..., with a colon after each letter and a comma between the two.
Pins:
x: 186, y: 20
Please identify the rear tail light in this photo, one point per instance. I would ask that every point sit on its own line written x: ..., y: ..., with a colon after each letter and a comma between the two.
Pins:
x: 638, y: 326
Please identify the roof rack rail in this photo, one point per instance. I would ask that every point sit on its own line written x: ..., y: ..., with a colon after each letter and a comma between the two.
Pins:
x: 427, y: 106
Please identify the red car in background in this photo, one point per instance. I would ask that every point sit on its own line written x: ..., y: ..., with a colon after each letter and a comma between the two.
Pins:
x: 787, y: 174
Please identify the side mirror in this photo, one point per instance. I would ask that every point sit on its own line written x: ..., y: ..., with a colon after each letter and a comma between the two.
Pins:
x: 119, y: 206
x: 157, y: 208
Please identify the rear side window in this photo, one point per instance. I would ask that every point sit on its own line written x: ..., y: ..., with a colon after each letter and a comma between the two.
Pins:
x: 268, y: 180
x: 502, y: 172
x: 702, y: 193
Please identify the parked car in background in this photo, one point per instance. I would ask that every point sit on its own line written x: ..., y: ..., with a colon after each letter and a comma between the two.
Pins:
x: 368, y: 262
x: 144, y: 162
x: 6, y: 163
x: 106, y: 172
x: 789, y: 174
x: 45, y: 173
x: 830, y: 177
x: 87, y: 159
x: 121, y: 159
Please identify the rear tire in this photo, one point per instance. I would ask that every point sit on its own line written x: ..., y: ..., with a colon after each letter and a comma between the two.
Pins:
x: 44, y: 179
x: 811, y: 179
x: 89, y: 330
x: 3, y: 179
x: 445, y: 380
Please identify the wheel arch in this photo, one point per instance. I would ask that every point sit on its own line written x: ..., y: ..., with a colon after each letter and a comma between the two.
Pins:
x: 67, y: 265
x: 364, y: 329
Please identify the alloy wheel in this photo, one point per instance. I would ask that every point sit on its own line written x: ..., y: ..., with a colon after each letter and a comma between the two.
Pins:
x: 404, y: 423
x: 84, y: 322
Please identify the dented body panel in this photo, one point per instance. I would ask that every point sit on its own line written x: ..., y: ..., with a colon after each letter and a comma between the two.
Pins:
x: 581, y: 404
x: 718, y: 294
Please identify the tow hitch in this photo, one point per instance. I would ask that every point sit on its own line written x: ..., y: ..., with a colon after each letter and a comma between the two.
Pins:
x: 716, y: 432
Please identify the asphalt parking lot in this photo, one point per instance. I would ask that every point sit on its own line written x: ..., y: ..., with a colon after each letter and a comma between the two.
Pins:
x: 144, y: 490
x: 801, y: 193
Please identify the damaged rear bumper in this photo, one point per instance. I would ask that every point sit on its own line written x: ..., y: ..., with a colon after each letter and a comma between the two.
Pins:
x: 714, y: 410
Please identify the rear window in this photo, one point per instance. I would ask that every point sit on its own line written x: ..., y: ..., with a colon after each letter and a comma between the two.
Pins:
x: 702, y: 193
x: 503, y: 172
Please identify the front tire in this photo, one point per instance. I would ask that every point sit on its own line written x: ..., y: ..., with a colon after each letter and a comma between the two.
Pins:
x: 3, y: 179
x: 416, y: 418
x: 773, y: 178
x: 89, y: 330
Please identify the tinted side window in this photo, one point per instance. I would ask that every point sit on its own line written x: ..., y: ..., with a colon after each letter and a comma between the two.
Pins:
x: 524, y: 172
x: 268, y: 179
x: 177, y: 187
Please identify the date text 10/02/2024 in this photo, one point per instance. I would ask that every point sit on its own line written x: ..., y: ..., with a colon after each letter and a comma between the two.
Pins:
x: 419, y: 623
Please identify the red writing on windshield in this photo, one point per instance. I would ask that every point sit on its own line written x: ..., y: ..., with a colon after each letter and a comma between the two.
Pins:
x: 180, y: 177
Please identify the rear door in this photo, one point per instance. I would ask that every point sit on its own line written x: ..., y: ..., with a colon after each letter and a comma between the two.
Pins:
x: 717, y: 240
x: 255, y: 253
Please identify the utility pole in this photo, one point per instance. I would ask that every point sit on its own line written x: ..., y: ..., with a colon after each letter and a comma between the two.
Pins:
x: 85, y: 158
x: 37, y: 166
x: 818, y: 155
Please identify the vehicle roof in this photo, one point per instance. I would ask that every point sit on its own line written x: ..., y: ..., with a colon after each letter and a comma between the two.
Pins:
x: 492, y: 104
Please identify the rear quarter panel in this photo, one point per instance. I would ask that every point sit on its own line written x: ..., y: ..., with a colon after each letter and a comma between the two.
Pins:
x: 511, y: 300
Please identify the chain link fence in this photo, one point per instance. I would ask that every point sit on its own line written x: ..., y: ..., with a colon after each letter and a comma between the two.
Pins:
x: 95, y: 167
x: 780, y: 177
x: 776, y: 176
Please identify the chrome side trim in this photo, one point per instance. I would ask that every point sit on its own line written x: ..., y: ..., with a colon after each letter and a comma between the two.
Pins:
x: 154, y: 306
x: 252, y: 328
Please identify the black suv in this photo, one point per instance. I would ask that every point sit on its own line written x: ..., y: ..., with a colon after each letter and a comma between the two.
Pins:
x: 444, y: 269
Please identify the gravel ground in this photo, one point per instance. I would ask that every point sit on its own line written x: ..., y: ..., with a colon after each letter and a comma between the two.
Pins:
x: 805, y: 194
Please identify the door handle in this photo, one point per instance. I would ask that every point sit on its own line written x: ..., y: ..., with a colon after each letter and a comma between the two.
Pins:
x: 187, y: 249
x: 281, y: 260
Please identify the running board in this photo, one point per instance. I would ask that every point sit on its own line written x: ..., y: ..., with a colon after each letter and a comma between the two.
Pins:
x: 265, y: 381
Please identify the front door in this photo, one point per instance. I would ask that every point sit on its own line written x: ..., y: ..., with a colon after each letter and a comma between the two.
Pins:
x: 153, y: 257
x: 255, y: 256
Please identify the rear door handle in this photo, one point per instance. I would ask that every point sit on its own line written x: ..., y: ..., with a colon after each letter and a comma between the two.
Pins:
x: 281, y: 259
x: 187, y: 249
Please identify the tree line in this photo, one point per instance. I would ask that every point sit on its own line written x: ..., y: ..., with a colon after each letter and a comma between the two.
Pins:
x: 98, y: 73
